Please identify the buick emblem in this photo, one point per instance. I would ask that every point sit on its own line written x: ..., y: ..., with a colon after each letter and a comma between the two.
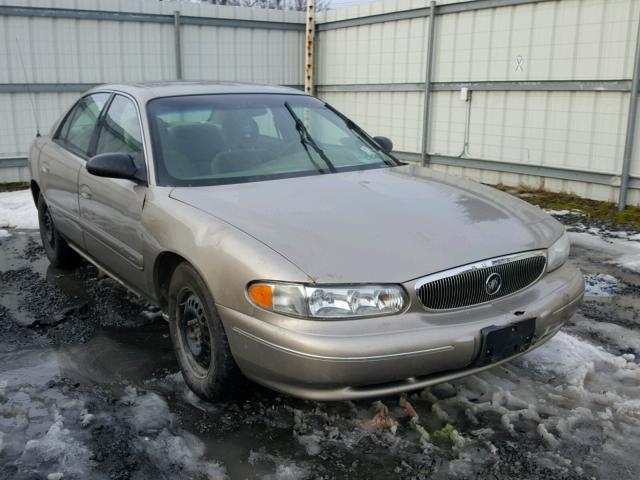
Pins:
x: 493, y: 283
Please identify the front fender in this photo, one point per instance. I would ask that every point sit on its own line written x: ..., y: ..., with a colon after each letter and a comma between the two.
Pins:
x: 225, y: 257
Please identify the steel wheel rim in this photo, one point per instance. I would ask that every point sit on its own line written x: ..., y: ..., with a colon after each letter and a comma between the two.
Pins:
x: 194, y: 332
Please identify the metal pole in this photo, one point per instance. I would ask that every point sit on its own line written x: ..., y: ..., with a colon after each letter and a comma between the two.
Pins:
x: 308, y: 65
x: 424, y: 157
x: 177, y: 44
x: 631, y: 128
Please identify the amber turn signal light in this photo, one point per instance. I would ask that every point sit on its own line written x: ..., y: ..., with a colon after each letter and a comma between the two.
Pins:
x: 261, y: 295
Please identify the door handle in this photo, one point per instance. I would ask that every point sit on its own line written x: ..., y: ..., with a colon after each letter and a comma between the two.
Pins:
x: 44, y: 167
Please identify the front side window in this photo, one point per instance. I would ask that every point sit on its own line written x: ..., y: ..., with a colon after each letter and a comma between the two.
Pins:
x: 78, y: 127
x: 217, y: 139
x: 120, y: 130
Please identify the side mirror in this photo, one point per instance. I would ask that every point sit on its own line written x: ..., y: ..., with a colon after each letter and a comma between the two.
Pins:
x: 116, y: 165
x: 385, y: 143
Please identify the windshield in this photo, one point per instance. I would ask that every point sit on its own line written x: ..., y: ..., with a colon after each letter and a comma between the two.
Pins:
x: 217, y: 139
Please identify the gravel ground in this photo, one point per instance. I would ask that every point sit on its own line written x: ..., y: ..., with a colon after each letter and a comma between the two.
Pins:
x: 89, y: 388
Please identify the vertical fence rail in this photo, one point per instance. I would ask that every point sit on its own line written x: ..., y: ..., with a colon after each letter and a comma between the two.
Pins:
x: 631, y: 127
x: 177, y: 43
x: 424, y: 156
x: 309, y: 48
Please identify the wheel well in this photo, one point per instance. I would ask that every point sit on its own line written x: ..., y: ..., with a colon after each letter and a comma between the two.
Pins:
x: 166, y: 263
x: 35, y: 191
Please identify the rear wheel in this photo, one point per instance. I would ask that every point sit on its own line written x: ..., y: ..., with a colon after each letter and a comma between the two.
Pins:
x: 58, y: 251
x: 199, y: 339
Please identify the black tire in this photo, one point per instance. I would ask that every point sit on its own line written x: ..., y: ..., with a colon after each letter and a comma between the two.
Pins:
x: 58, y: 251
x: 199, y: 339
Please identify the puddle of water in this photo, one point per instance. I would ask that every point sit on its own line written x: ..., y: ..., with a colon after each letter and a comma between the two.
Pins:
x: 30, y: 365
x: 111, y: 357
x: 12, y: 250
x: 119, y: 356
x: 241, y: 443
x: 12, y: 300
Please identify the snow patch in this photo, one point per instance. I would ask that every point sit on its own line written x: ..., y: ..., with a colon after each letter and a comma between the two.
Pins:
x: 86, y: 418
x: 288, y: 471
x: 285, y: 469
x: 620, y: 337
x: 147, y: 412
x: 562, y: 213
x: 568, y: 357
x: 549, y: 439
x: 179, y: 454
x: 170, y: 449
x: 567, y: 393
x: 311, y: 443
x: 601, y: 285
x: 58, y: 450
x: 17, y: 210
x: 623, y: 252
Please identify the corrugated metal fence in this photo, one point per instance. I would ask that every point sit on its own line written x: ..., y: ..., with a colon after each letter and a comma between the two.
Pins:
x: 548, y: 81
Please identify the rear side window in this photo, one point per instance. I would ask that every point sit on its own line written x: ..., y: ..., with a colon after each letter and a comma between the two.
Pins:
x: 120, y: 130
x: 78, y: 127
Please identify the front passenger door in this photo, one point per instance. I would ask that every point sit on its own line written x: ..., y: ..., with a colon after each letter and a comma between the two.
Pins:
x: 110, y: 208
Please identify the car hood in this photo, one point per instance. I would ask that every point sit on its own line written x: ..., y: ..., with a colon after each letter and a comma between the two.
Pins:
x: 382, y: 225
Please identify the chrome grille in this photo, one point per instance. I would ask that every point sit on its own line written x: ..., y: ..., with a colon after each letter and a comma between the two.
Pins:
x: 467, y: 286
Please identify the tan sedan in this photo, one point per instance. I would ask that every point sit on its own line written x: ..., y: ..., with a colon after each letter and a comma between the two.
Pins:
x: 285, y: 243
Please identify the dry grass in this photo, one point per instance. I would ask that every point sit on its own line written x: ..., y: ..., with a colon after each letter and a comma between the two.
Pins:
x: 10, y: 187
x: 601, y: 211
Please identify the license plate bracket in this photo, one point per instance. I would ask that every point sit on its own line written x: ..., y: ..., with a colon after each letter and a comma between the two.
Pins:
x: 502, y: 342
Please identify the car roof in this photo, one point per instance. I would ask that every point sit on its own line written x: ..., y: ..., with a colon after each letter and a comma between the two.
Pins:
x: 149, y: 90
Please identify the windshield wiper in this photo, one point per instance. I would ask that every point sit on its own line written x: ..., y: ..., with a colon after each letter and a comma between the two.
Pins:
x: 307, y: 139
x: 364, y: 137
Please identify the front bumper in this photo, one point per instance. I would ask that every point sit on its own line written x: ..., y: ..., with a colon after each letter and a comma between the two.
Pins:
x: 351, y: 359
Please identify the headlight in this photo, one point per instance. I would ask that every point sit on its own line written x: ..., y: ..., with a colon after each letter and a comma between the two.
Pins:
x: 558, y: 253
x: 335, y: 301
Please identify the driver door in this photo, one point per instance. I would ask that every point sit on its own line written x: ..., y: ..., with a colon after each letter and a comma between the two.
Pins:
x: 110, y: 208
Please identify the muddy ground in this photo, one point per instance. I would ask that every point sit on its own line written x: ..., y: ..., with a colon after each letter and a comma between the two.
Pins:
x: 89, y: 388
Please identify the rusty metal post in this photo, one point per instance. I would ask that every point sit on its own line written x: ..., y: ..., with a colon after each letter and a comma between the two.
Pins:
x: 177, y: 43
x: 308, y: 64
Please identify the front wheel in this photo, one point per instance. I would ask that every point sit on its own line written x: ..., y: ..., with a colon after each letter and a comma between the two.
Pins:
x: 198, y: 337
x: 58, y: 251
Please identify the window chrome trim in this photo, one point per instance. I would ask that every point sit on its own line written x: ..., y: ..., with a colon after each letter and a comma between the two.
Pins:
x: 60, y: 123
x: 145, y: 154
x: 490, y: 262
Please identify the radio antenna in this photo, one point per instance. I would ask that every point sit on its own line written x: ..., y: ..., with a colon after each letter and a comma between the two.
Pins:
x: 28, y: 87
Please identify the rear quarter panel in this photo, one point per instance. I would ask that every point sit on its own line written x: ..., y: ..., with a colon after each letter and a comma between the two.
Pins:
x: 33, y: 161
